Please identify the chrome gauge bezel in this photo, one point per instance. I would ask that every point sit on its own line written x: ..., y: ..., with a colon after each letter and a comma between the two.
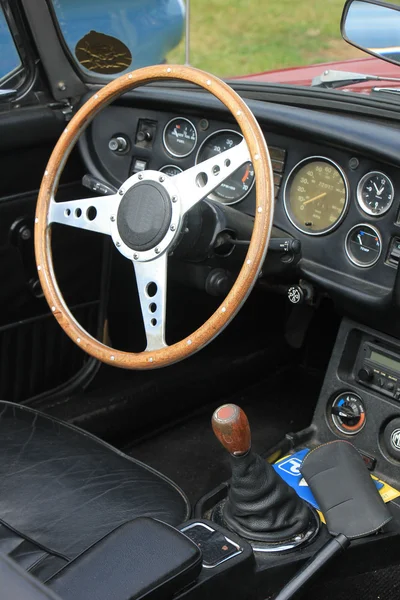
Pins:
x: 161, y: 169
x: 335, y: 419
x: 214, y: 196
x: 285, y: 192
x: 348, y: 253
x: 360, y: 199
x: 165, y: 142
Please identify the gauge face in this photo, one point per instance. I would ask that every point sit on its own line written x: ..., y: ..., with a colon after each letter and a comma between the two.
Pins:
x: 348, y: 413
x: 239, y: 184
x: 316, y: 195
x: 170, y: 170
x: 180, y: 137
x: 375, y: 193
x: 363, y: 245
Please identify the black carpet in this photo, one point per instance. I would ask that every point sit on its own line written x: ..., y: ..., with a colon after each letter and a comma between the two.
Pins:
x: 383, y: 584
x: 191, y: 456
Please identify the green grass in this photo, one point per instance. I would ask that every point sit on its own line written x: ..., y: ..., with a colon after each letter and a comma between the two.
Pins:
x: 235, y: 37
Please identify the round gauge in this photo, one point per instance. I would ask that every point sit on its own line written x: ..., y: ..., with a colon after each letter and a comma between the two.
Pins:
x: 170, y: 170
x: 348, y: 413
x: 375, y: 193
x: 363, y: 245
x: 180, y: 137
x: 239, y: 184
x: 316, y: 195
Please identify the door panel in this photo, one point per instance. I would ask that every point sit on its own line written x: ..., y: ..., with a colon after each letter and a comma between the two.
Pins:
x: 35, y: 354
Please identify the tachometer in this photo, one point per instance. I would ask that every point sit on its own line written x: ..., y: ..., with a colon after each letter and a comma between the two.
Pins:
x: 180, y: 137
x: 239, y: 184
x: 316, y: 195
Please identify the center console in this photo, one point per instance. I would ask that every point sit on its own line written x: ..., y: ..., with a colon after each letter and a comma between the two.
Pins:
x: 360, y: 398
x: 359, y: 402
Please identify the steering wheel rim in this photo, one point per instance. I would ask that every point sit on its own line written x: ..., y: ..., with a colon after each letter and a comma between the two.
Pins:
x: 259, y: 155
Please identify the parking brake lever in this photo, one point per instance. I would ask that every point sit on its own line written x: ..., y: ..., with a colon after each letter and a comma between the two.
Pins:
x: 349, y: 501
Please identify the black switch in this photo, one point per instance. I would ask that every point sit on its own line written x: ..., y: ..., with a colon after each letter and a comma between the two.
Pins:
x: 394, y: 251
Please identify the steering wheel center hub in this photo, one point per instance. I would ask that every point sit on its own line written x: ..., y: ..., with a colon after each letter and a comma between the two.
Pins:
x: 144, y: 215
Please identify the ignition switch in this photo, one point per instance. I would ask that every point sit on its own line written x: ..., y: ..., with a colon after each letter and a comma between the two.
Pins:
x: 348, y: 413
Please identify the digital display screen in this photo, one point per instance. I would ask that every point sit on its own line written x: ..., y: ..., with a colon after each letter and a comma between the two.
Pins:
x: 385, y: 361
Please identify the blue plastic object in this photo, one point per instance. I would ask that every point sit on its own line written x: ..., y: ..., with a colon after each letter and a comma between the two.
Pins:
x: 149, y: 28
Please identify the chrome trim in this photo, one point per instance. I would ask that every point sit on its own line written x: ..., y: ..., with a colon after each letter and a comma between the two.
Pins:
x: 346, y: 185
x: 360, y: 200
x: 335, y: 418
x: 354, y: 260
x: 165, y: 143
x: 161, y: 169
x: 294, y: 542
x: 239, y: 549
x: 214, y: 196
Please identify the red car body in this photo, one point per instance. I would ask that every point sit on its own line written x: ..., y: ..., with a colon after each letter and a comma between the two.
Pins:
x: 305, y: 75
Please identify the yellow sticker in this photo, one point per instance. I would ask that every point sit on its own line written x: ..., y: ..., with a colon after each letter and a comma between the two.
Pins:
x: 387, y: 492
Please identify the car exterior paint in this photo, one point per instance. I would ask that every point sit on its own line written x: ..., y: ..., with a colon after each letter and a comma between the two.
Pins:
x: 305, y: 75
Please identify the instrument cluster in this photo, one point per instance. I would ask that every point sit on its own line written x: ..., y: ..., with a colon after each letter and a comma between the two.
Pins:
x: 180, y: 140
x: 318, y: 195
x: 316, y: 199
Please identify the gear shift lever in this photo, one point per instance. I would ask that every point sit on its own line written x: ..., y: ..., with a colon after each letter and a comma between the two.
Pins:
x: 232, y: 428
x: 260, y: 505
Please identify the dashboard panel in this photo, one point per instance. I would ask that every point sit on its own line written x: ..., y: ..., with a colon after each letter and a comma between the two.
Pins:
x: 338, y: 199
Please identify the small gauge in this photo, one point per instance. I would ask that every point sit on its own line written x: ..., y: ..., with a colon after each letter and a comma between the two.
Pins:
x: 239, y: 184
x: 170, y: 170
x: 180, y: 137
x: 348, y: 413
x: 375, y: 193
x: 363, y: 245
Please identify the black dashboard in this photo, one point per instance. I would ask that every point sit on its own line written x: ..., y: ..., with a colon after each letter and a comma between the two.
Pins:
x: 354, y: 254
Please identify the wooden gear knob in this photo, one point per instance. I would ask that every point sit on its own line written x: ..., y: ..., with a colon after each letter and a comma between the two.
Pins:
x: 230, y: 425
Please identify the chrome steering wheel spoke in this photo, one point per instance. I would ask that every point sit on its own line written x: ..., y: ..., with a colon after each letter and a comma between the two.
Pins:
x: 199, y: 181
x: 151, y: 279
x: 91, y: 214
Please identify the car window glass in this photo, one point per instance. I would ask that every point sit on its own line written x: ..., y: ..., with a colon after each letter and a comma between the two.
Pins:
x: 109, y: 37
x: 9, y: 57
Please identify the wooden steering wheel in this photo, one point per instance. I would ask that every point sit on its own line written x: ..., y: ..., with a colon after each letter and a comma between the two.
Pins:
x: 145, y: 217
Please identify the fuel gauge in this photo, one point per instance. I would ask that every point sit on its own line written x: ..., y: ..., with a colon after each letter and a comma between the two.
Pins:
x: 363, y: 245
x: 180, y: 137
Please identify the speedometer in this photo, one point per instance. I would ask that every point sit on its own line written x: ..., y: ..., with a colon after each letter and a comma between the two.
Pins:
x: 239, y: 184
x: 316, y: 195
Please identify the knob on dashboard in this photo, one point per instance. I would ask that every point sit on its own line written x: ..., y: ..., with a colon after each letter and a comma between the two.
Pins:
x: 118, y: 144
x: 365, y: 374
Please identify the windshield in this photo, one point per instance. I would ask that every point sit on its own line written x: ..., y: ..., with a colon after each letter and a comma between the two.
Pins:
x: 248, y: 36
x: 263, y: 41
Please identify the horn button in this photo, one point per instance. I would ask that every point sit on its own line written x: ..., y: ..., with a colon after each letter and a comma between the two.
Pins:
x: 144, y: 215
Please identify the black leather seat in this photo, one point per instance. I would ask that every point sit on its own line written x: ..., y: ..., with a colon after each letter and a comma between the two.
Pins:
x: 62, y: 490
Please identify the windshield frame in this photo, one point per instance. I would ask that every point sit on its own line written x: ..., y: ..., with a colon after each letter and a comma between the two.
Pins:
x: 21, y: 78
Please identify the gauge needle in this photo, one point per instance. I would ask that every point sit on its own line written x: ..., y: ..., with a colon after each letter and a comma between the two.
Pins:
x: 245, y: 176
x: 315, y: 198
x: 378, y: 192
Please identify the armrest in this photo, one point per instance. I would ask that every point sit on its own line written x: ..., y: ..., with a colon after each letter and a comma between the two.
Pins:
x: 144, y: 558
x: 17, y: 583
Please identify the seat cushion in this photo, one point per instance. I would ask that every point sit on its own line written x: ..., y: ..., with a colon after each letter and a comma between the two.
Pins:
x: 62, y: 490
